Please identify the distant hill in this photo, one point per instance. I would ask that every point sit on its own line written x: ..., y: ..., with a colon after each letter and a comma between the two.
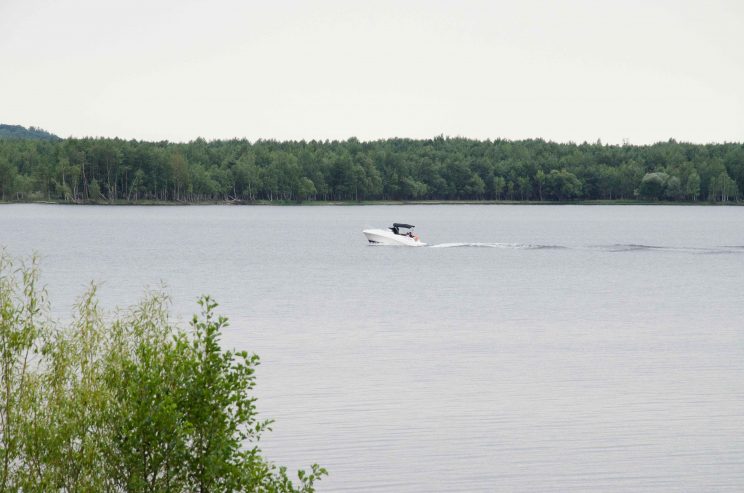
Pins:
x: 30, y: 133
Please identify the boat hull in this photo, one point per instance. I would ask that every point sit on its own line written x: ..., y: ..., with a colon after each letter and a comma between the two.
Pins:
x: 382, y: 237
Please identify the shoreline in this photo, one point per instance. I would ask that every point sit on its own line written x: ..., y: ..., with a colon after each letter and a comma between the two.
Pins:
x: 326, y: 203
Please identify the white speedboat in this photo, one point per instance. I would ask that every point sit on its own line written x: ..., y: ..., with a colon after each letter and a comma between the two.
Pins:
x: 393, y: 236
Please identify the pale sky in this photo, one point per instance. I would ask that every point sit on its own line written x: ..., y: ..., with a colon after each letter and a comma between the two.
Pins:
x: 570, y: 70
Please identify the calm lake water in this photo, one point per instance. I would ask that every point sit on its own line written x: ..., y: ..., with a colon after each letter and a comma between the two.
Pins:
x: 531, y: 348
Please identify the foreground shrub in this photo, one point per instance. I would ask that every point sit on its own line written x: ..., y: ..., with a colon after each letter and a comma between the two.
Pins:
x: 130, y: 404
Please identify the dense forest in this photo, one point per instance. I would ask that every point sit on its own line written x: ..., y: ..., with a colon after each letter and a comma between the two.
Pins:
x: 114, y: 170
x: 19, y: 132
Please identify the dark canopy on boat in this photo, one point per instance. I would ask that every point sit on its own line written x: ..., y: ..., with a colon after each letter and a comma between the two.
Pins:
x: 401, y: 225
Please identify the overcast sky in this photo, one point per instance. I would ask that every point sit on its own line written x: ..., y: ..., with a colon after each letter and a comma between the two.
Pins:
x: 566, y: 71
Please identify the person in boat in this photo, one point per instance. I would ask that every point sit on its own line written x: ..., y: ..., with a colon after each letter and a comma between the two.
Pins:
x: 395, y: 228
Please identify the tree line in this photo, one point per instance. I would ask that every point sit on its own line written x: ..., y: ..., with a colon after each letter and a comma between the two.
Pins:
x: 130, y: 403
x: 19, y: 132
x: 115, y: 170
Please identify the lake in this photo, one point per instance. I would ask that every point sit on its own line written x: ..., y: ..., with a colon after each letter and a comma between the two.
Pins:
x: 529, y: 348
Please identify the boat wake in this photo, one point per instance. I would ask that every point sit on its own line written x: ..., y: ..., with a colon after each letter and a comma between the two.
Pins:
x: 632, y: 247
x: 614, y: 248
x: 512, y: 246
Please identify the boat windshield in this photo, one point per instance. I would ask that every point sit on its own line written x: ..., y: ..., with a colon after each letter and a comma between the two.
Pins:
x: 396, y: 229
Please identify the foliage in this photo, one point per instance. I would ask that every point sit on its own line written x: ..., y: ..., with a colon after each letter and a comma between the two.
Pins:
x: 19, y: 132
x: 132, y: 404
x: 653, y: 185
x: 114, y: 170
x: 723, y: 188
x: 21, y: 327
x: 562, y: 185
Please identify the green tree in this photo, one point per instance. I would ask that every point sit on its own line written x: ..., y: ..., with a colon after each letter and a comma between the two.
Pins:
x: 145, y: 370
x: 179, y: 172
x: 69, y: 415
x: 246, y: 176
x: 21, y: 325
x: 372, y: 184
x: 499, y: 186
x: 539, y: 180
x: 412, y: 189
x: 94, y: 189
x: 306, y: 189
x: 8, y: 174
x: 692, y: 186
x: 23, y: 186
x: 608, y: 184
x: 562, y: 185
x: 131, y: 404
x: 723, y: 188
x: 653, y: 185
x: 631, y: 174
x: 219, y: 416
x: 673, y: 188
